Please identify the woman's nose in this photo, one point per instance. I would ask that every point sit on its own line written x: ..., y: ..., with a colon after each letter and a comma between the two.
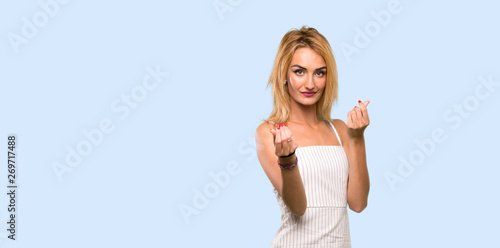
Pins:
x: 310, y: 82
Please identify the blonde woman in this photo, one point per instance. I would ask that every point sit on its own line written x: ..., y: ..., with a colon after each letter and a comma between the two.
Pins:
x: 316, y: 164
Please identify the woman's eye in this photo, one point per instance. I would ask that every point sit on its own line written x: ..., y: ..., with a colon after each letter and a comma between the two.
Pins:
x: 296, y: 71
x: 322, y: 73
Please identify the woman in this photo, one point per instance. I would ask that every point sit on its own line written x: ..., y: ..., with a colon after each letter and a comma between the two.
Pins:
x: 317, y: 165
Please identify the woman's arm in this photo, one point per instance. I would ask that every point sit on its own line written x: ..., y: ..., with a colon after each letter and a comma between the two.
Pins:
x: 292, y: 189
x: 358, y: 184
x: 288, y: 183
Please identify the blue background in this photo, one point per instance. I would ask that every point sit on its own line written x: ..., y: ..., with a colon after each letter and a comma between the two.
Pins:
x: 201, y: 119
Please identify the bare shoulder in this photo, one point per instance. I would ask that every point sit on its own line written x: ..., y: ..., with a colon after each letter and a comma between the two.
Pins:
x: 339, y: 123
x: 262, y: 132
x: 341, y: 129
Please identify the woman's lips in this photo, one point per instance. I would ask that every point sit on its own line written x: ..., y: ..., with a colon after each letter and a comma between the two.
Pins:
x: 308, y: 94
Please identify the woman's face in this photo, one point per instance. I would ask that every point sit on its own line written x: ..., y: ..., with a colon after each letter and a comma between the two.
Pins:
x: 307, y: 73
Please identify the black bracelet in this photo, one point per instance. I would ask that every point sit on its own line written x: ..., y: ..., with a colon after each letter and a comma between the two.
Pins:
x: 288, y: 155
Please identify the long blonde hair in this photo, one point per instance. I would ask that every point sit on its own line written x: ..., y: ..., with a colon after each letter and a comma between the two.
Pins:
x: 294, y: 39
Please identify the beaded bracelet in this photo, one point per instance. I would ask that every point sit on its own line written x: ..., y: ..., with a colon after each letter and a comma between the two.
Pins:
x: 290, y: 166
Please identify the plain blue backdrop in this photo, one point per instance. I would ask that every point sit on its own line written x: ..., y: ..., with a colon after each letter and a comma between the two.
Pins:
x: 135, y: 120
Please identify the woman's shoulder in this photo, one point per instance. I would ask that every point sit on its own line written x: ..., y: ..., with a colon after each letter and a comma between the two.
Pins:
x: 338, y: 123
x: 263, y: 128
x: 341, y: 128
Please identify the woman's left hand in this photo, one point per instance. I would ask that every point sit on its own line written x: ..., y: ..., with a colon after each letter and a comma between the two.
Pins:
x: 357, y: 120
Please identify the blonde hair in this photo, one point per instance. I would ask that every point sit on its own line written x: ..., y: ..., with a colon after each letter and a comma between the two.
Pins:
x: 294, y: 39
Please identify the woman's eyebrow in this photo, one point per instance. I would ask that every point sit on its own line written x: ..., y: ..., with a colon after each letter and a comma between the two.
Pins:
x: 324, y: 67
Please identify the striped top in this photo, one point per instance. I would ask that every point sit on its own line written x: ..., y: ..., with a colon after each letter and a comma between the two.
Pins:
x: 324, y: 171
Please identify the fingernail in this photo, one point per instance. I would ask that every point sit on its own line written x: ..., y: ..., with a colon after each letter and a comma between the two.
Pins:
x: 359, y: 101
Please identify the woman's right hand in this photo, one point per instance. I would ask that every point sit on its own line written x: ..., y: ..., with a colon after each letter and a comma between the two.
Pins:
x: 284, y: 143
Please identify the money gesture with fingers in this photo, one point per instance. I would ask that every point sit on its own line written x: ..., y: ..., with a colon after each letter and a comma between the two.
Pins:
x: 284, y: 144
x: 357, y: 120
